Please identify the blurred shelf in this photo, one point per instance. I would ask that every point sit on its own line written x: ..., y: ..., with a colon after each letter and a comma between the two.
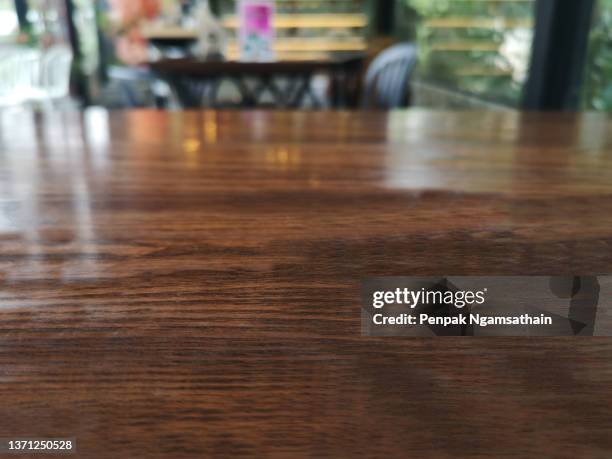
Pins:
x: 234, y: 55
x: 314, y: 2
x: 466, y: 45
x: 482, y: 72
x: 292, y: 45
x: 478, y: 23
x: 495, y: 1
x: 309, y: 21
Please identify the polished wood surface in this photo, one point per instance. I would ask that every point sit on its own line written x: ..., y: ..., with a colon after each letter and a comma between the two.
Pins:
x: 187, y: 284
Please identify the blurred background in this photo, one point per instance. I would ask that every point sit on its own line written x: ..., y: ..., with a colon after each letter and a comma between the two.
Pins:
x: 176, y: 54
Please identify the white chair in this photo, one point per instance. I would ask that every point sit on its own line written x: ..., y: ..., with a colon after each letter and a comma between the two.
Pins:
x: 27, y: 74
x: 52, y: 82
x: 56, y: 67
x: 16, y: 74
x: 32, y: 77
x: 7, y: 95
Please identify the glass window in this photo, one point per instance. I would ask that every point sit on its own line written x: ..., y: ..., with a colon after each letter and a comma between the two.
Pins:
x: 9, y: 25
x: 478, y: 47
x: 597, y: 94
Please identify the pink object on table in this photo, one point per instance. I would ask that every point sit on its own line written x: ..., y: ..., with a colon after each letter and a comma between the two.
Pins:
x: 256, y: 30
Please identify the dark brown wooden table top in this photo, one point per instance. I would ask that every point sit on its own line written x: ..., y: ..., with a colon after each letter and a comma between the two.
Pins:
x: 197, y: 67
x: 187, y: 284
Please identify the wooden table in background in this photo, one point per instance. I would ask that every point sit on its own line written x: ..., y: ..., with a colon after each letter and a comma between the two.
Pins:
x: 187, y: 284
x: 196, y: 82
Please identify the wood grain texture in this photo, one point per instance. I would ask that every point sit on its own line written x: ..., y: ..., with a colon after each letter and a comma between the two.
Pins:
x: 187, y: 284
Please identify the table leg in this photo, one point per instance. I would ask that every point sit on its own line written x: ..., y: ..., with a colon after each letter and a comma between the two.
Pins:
x: 304, y: 91
x: 246, y: 95
x: 190, y: 92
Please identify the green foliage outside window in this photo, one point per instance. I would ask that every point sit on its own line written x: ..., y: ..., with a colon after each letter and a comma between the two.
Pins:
x: 598, y: 74
x: 480, y: 47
